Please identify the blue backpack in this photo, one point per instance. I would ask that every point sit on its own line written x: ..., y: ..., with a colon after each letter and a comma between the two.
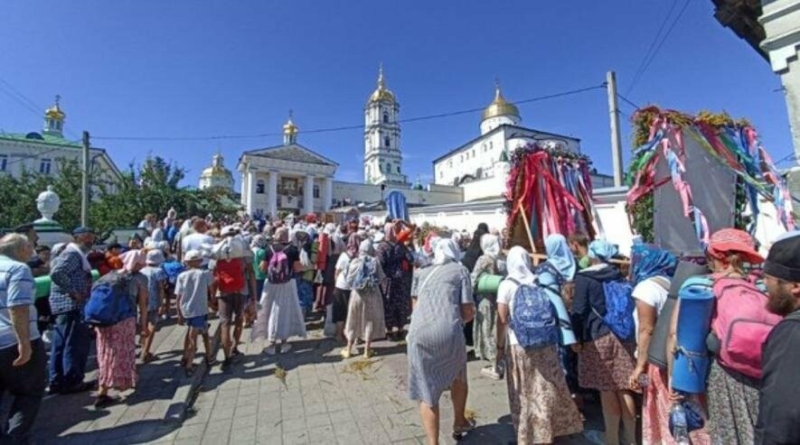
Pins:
x: 619, y: 309
x: 533, y: 318
x: 366, y: 276
x: 110, y: 301
x: 172, y: 268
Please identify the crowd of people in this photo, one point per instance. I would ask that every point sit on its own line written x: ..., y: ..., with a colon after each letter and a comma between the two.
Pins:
x: 576, y: 324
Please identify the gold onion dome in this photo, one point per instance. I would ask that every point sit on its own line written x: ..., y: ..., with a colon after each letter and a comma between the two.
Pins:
x: 217, y: 170
x: 500, y: 106
x: 289, y: 128
x: 381, y: 93
x: 55, y: 112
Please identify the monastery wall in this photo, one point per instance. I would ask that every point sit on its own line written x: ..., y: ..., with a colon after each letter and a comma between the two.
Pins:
x: 355, y: 193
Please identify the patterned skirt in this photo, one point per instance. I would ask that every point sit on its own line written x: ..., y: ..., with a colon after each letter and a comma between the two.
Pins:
x: 116, y: 355
x: 541, y: 405
x: 732, y: 407
x: 655, y: 413
x: 397, y: 303
x: 605, y: 364
x: 365, y: 316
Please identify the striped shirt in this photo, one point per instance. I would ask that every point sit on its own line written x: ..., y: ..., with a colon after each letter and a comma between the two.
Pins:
x: 17, y: 288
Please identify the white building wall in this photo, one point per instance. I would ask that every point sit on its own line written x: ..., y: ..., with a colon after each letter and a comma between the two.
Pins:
x: 781, y: 21
x: 18, y: 156
x: 367, y: 193
x: 477, y: 159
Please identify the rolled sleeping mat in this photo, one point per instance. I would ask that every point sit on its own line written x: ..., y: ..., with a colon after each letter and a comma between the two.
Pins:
x: 690, y: 366
x: 488, y: 284
x: 657, y: 352
x: 567, y: 335
x: 43, y: 284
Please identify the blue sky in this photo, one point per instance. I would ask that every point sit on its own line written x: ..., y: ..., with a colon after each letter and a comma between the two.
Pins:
x: 190, y: 68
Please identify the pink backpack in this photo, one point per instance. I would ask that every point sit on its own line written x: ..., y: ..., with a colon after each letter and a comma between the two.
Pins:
x: 742, y: 323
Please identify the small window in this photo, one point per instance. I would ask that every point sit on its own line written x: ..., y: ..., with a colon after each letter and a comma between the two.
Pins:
x: 387, y: 142
x: 473, y: 153
x: 484, y: 148
x: 316, y: 191
x: 450, y: 163
x: 259, y: 187
x: 398, y: 169
x: 461, y: 158
x: 388, y: 167
x: 385, y: 117
x: 3, y: 163
x: 44, y: 166
x: 490, y: 145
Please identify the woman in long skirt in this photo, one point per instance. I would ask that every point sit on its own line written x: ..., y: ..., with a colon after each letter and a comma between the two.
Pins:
x: 537, y: 390
x: 116, y: 345
x: 365, y: 311
x: 398, y: 264
x: 485, y: 333
x: 280, y: 316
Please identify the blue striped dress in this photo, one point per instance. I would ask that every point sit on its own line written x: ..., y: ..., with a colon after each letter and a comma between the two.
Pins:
x: 437, y: 351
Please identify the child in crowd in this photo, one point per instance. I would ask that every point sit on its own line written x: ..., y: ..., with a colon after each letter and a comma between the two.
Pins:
x: 192, y: 292
x: 172, y: 268
x: 156, y: 284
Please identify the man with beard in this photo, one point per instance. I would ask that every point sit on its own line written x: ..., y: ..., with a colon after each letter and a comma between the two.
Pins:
x: 779, y: 410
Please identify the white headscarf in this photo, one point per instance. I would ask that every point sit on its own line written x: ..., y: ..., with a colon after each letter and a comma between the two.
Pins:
x: 490, y: 245
x: 519, y: 265
x: 446, y: 251
x: 456, y: 236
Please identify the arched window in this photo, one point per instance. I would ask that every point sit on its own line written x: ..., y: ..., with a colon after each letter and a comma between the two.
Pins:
x: 259, y: 187
x: 387, y: 141
x: 398, y: 169
x: 385, y: 117
x: 388, y: 167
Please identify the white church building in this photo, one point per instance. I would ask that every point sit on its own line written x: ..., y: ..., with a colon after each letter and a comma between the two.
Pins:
x: 293, y: 178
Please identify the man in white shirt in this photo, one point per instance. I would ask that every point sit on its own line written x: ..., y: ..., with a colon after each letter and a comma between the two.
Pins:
x: 198, y: 239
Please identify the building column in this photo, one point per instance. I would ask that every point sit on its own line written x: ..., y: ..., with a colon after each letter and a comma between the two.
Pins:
x: 272, y: 194
x: 243, y: 190
x: 251, y: 192
x: 308, y: 194
x: 327, y: 194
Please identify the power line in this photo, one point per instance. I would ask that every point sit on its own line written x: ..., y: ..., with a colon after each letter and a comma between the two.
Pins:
x: 652, y: 45
x: 26, y: 102
x: 340, y: 128
x: 658, y: 48
x: 625, y: 99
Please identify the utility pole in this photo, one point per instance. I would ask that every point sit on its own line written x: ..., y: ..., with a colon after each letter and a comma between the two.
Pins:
x: 85, y: 182
x: 616, y: 139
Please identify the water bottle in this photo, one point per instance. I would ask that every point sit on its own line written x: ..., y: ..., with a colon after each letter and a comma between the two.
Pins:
x: 679, y: 428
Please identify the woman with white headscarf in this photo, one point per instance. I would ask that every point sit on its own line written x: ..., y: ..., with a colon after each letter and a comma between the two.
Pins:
x: 365, y: 310
x: 537, y: 389
x: 437, y: 354
x: 484, y: 333
x: 116, y: 344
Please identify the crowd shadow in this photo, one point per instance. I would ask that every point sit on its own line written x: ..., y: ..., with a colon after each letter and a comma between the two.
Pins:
x: 145, y: 431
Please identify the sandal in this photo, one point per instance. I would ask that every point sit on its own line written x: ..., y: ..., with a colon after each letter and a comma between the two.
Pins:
x: 345, y: 353
x: 103, y: 401
x: 459, y: 432
x: 369, y: 353
x: 189, y: 371
x: 210, y: 362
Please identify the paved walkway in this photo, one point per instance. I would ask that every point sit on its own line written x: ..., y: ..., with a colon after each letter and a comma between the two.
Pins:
x: 322, y: 399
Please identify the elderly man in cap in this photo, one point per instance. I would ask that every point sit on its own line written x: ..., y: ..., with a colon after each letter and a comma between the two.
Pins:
x: 23, y: 359
x: 779, y: 405
x: 71, y: 278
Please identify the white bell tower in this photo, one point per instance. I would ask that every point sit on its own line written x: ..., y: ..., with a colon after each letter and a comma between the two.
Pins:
x: 383, y: 159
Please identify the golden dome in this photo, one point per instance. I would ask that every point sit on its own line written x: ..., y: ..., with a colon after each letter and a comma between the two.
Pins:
x: 55, y: 112
x: 500, y: 106
x: 289, y: 128
x: 381, y: 93
x: 217, y: 170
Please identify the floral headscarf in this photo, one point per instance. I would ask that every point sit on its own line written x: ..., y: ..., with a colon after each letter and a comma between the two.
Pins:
x: 648, y: 261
